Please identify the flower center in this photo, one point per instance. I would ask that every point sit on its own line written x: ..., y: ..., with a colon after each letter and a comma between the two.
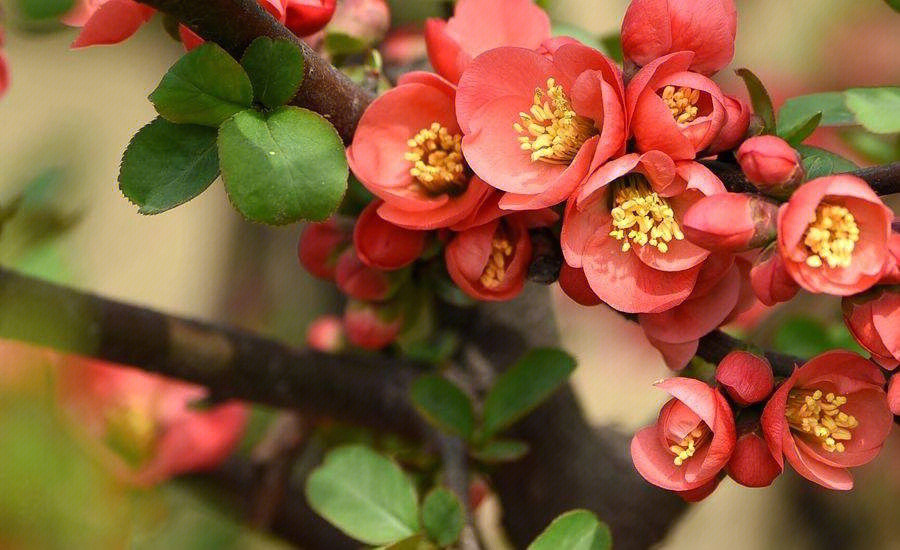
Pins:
x: 437, y: 160
x: 689, y: 444
x: 495, y: 270
x: 640, y: 217
x: 820, y: 415
x: 131, y: 432
x: 551, y: 130
x: 682, y: 102
x: 831, y: 237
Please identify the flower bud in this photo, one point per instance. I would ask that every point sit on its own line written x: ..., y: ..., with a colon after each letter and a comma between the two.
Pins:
x: 404, y: 46
x: 893, y: 394
x: 357, y: 280
x: 771, y: 164
x: 770, y: 280
x: 371, y: 326
x: 747, y: 378
x: 752, y: 464
x: 731, y: 222
x: 365, y: 20
x: 320, y: 246
x: 383, y: 245
x: 573, y: 282
x: 737, y: 122
x: 873, y: 319
x: 306, y: 17
x: 326, y: 334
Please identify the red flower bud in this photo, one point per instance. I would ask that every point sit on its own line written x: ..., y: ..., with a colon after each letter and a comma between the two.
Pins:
x: 737, y: 121
x: 383, y: 245
x: 731, y: 222
x: 326, y: 334
x: 747, y: 378
x: 873, y: 319
x: 771, y: 164
x: 305, y: 17
x: 365, y: 20
x: 320, y: 246
x: 752, y: 464
x: 404, y: 46
x: 770, y: 279
x: 371, y: 326
x: 893, y: 394
x: 573, y: 282
x: 357, y: 280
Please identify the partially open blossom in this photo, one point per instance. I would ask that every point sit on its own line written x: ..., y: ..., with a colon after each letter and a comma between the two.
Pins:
x: 771, y: 164
x: 536, y: 126
x: 833, y: 235
x: 107, y: 21
x: 672, y: 109
x: 623, y: 227
x: 893, y: 395
x: 481, y: 25
x: 364, y: 20
x: 320, y: 246
x: 654, y: 28
x: 830, y: 415
x: 873, y: 319
x: 326, y: 334
x: 691, y: 441
x: 752, y: 463
x: 733, y: 132
x: 357, y: 280
x: 573, y: 282
x: 407, y: 150
x: 770, y: 279
x: 731, y: 222
x: 746, y: 377
x: 383, y: 245
x: 372, y: 326
x: 306, y: 17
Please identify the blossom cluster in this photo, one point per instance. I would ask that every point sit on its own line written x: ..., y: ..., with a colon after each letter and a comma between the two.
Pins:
x: 518, y: 132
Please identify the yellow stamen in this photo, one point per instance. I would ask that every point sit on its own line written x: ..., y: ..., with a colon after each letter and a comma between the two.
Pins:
x: 495, y: 270
x: 640, y: 217
x: 437, y: 160
x: 682, y: 102
x: 831, y: 237
x: 689, y: 445
x: 820, y: 416
x: 551, y: 130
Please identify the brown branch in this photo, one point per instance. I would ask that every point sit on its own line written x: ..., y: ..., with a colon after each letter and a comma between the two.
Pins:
x: 883, y: 179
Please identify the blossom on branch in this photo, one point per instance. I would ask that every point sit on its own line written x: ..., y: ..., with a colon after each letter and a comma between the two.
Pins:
x: 873, y: 319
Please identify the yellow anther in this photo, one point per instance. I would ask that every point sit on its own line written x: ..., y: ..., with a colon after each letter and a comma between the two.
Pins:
x: 437, y: 160
x: 495, y: 271
x: 550, y: 129
x: 819, y: 415
x: 641, y: 217
x: 688, y: 446
x: 682, y: 102
x: 831, y: 237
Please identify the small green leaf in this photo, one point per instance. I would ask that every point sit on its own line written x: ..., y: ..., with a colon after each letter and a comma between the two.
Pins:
x: 759, y: 97
x: 524, y: 386
x: 797, y: 134
x: 876, y: 109
x: 501, y: 450
x: 365, y: 495
x: 338, y: 43
x: 275, y: 68
x: 444, y: 405
x: 797, y: 110
x: 575, y: 530
x: 415, y: 542
x: 167, y: 164
x: 442, y: 516
x: 895, y: 4
x: 42, y: 10
x: 206, y: 86
x: 282, y: 167
x: 819, y: 162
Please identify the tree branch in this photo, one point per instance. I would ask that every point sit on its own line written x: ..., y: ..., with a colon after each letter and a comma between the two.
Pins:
x: 883, y: 179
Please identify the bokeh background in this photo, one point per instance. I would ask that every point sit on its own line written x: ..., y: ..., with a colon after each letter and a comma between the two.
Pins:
x: 64, y: 124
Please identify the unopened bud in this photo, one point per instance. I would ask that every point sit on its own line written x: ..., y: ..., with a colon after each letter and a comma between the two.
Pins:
x: 731, y: 222
x: 771, y: 164
x: 746, y: 377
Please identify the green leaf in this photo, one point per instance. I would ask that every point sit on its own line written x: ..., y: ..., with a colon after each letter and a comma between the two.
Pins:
x: 895, y: 4
x: 797, y: 110
x: 444, y: 405
x: 876, y: 109
x: 168, y: 164
x: 797, y: 134
x: 759, y: 97
x: 338, y: 43
x: 282, y: 167
x: 206, y: 86
x: 40, y: 10
x: 442, y: 516
x: 524, y: 386
x: 501, y: 450
x: 819, y: 162
x: 876, y: 148
x: 575, y: 530
x: 365, y: 495
x: 415, y: 542
x: 275, y: 68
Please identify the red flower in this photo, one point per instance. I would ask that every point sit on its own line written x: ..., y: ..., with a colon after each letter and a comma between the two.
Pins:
x: 770, y: 279
x: 874, y: 321
x: 752, y: 464
x: 833, y: 235
x: 407, y: 150
x: 536, y: 126
x: 746, y: 377
x: 383, y: 245
x: 831, y: 414
x: 372, y: 326
x: 771, y: 164
x: 305, y: 17
x: 733, y: 132
x: 673, y: 110
x: 320, y: 246
x: 731, y: 222
x: 107, y: 21
x: 654, y: 28
x: 691, y: 441
x: 481, y: 25
x: 623, y: 228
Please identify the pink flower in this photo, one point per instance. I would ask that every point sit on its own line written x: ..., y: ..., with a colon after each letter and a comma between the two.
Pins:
x: 404, y: 46
x: 746, y: 377
x: 372, y: 326
x: 771, y: 164
x: 326, y: 334
x: 654, y: 28
x: 383, y: 245
x: 691, y: 441
x: 536, y: 126
x: 407, y: 150
x: 147, y: 420
x: 731, y: 222
x: 833, y: 235
x: 831, y: 414
x: 873, y: 319
x: 623, y: 227
x: 320, y: 246
x: 573, y: 282
x: 752, y: 464
x: 770, y: 279
x: 673, y: 110
x: 481, y: 25
x: 733, y: 132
